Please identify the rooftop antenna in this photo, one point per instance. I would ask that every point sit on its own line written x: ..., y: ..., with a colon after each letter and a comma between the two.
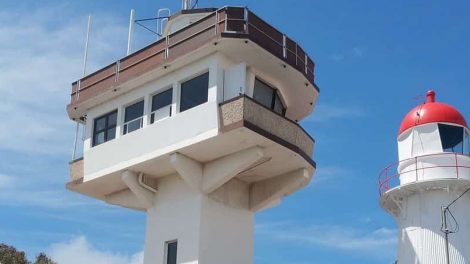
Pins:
x: 131, y: 32
x: 85, y: 58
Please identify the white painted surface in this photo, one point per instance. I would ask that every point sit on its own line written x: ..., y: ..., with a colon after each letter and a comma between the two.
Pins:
x: 421, y: 240
x: 163, y: 136
x: 425, y: 166
x: 435, y: 167
x: 157, y: 139
x: 234, y: 81
x: 207, y: 231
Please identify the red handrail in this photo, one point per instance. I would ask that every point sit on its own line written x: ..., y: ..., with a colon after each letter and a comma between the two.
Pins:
x: 386, y: 176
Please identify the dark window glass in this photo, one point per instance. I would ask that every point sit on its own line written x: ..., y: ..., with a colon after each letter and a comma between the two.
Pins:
x: 451, y: 138
x: 134, y: 111
x: 161, y: 105
x: 278, y: 106
x: 133, y: 117
x: 171, y: 252
x: 194, y: 92
x: 263, y: 93
x: 268, y: 96
x: 466, y: 147
x: 112, y: 119
x: 162, y: 99
x: 104, y: 128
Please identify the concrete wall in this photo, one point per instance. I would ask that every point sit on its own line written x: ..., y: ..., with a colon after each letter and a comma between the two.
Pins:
x: 155, y: 139
x: 207, y: 231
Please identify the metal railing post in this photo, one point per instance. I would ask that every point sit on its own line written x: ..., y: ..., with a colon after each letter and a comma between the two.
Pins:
x: 118, y: 69
x: 284, y: 46
x: 457, y: 165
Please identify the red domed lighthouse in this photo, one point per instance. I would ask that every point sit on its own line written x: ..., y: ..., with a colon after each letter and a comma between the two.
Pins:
x: 425, y: 190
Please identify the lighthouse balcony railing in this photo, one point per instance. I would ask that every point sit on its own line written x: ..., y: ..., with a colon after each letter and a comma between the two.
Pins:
x: 224, y: 23
x: 424, y: 168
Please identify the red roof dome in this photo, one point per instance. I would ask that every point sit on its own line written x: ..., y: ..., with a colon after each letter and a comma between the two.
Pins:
x: 432, y: 112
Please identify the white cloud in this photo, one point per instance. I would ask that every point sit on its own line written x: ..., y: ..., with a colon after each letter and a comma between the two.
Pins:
x: 326, y: 112
x: 80, y: 251
x: 41, y: 57
x: 375, y: 243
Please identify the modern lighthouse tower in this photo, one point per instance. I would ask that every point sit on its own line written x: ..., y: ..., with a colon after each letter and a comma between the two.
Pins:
x: 200, y: 131
x: 427, y: 190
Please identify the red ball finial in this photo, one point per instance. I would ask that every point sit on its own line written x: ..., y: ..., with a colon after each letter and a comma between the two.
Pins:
x: 431, y: 95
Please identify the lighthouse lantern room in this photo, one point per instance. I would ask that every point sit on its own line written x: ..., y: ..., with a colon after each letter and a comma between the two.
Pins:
x: 427, y: 190
x: 200, y: 130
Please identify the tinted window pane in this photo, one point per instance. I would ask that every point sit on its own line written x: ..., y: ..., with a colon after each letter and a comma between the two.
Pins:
x: 194, y: 92
x: 162, y: 99
x: 111, y: 133
x: 134, y: 111
x: 134, y: 125
x: 112, y: 119
x: 171, y: 253
x: 263, y: 93
x: 451, y: 138
x: 99, y: 138
x: 466, y: 147
x: 104, y: 128
x: 278, y: 106
x: 100, y: 123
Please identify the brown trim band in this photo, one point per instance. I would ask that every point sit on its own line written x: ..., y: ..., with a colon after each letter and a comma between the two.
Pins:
x: 280, y: 141
x: 270, y: 136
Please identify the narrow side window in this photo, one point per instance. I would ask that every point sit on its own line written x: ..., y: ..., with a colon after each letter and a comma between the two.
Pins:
x: 171, y: 249
x: 268, y: 96
x: 161, y: 105
x: 133, y: 117
x: 104, y: 128
x: 194, y: 92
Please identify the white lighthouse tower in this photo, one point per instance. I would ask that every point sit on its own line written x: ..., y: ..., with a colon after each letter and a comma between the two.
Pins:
x: 200, y: 131
x: 427, y: 191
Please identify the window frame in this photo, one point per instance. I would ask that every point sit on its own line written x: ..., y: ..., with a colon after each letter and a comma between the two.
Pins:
x: 180, y: 89
x: 466, y: 142
x: 442, y: 127
x: 275, y: 94
x: 105, y: 129
x: 125, y: 125
x: 151, y: 119
x: 167, y: 255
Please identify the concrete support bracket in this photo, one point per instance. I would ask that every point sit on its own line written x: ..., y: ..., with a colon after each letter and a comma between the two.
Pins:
x: 266, y: 193
x: 210, y: 176
x: 220, y: 171
x: 189, y: 169
x: 145, y: 196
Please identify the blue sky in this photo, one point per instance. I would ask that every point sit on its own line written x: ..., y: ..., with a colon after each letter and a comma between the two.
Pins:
x: 374, y: 61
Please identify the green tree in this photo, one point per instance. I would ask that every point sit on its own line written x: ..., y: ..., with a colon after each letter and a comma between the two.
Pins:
x: 43, y: 259
x: 10, y: 255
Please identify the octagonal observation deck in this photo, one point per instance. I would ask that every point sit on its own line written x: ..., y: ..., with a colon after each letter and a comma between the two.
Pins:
x: 214, y: 32
x: 225, y: 124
